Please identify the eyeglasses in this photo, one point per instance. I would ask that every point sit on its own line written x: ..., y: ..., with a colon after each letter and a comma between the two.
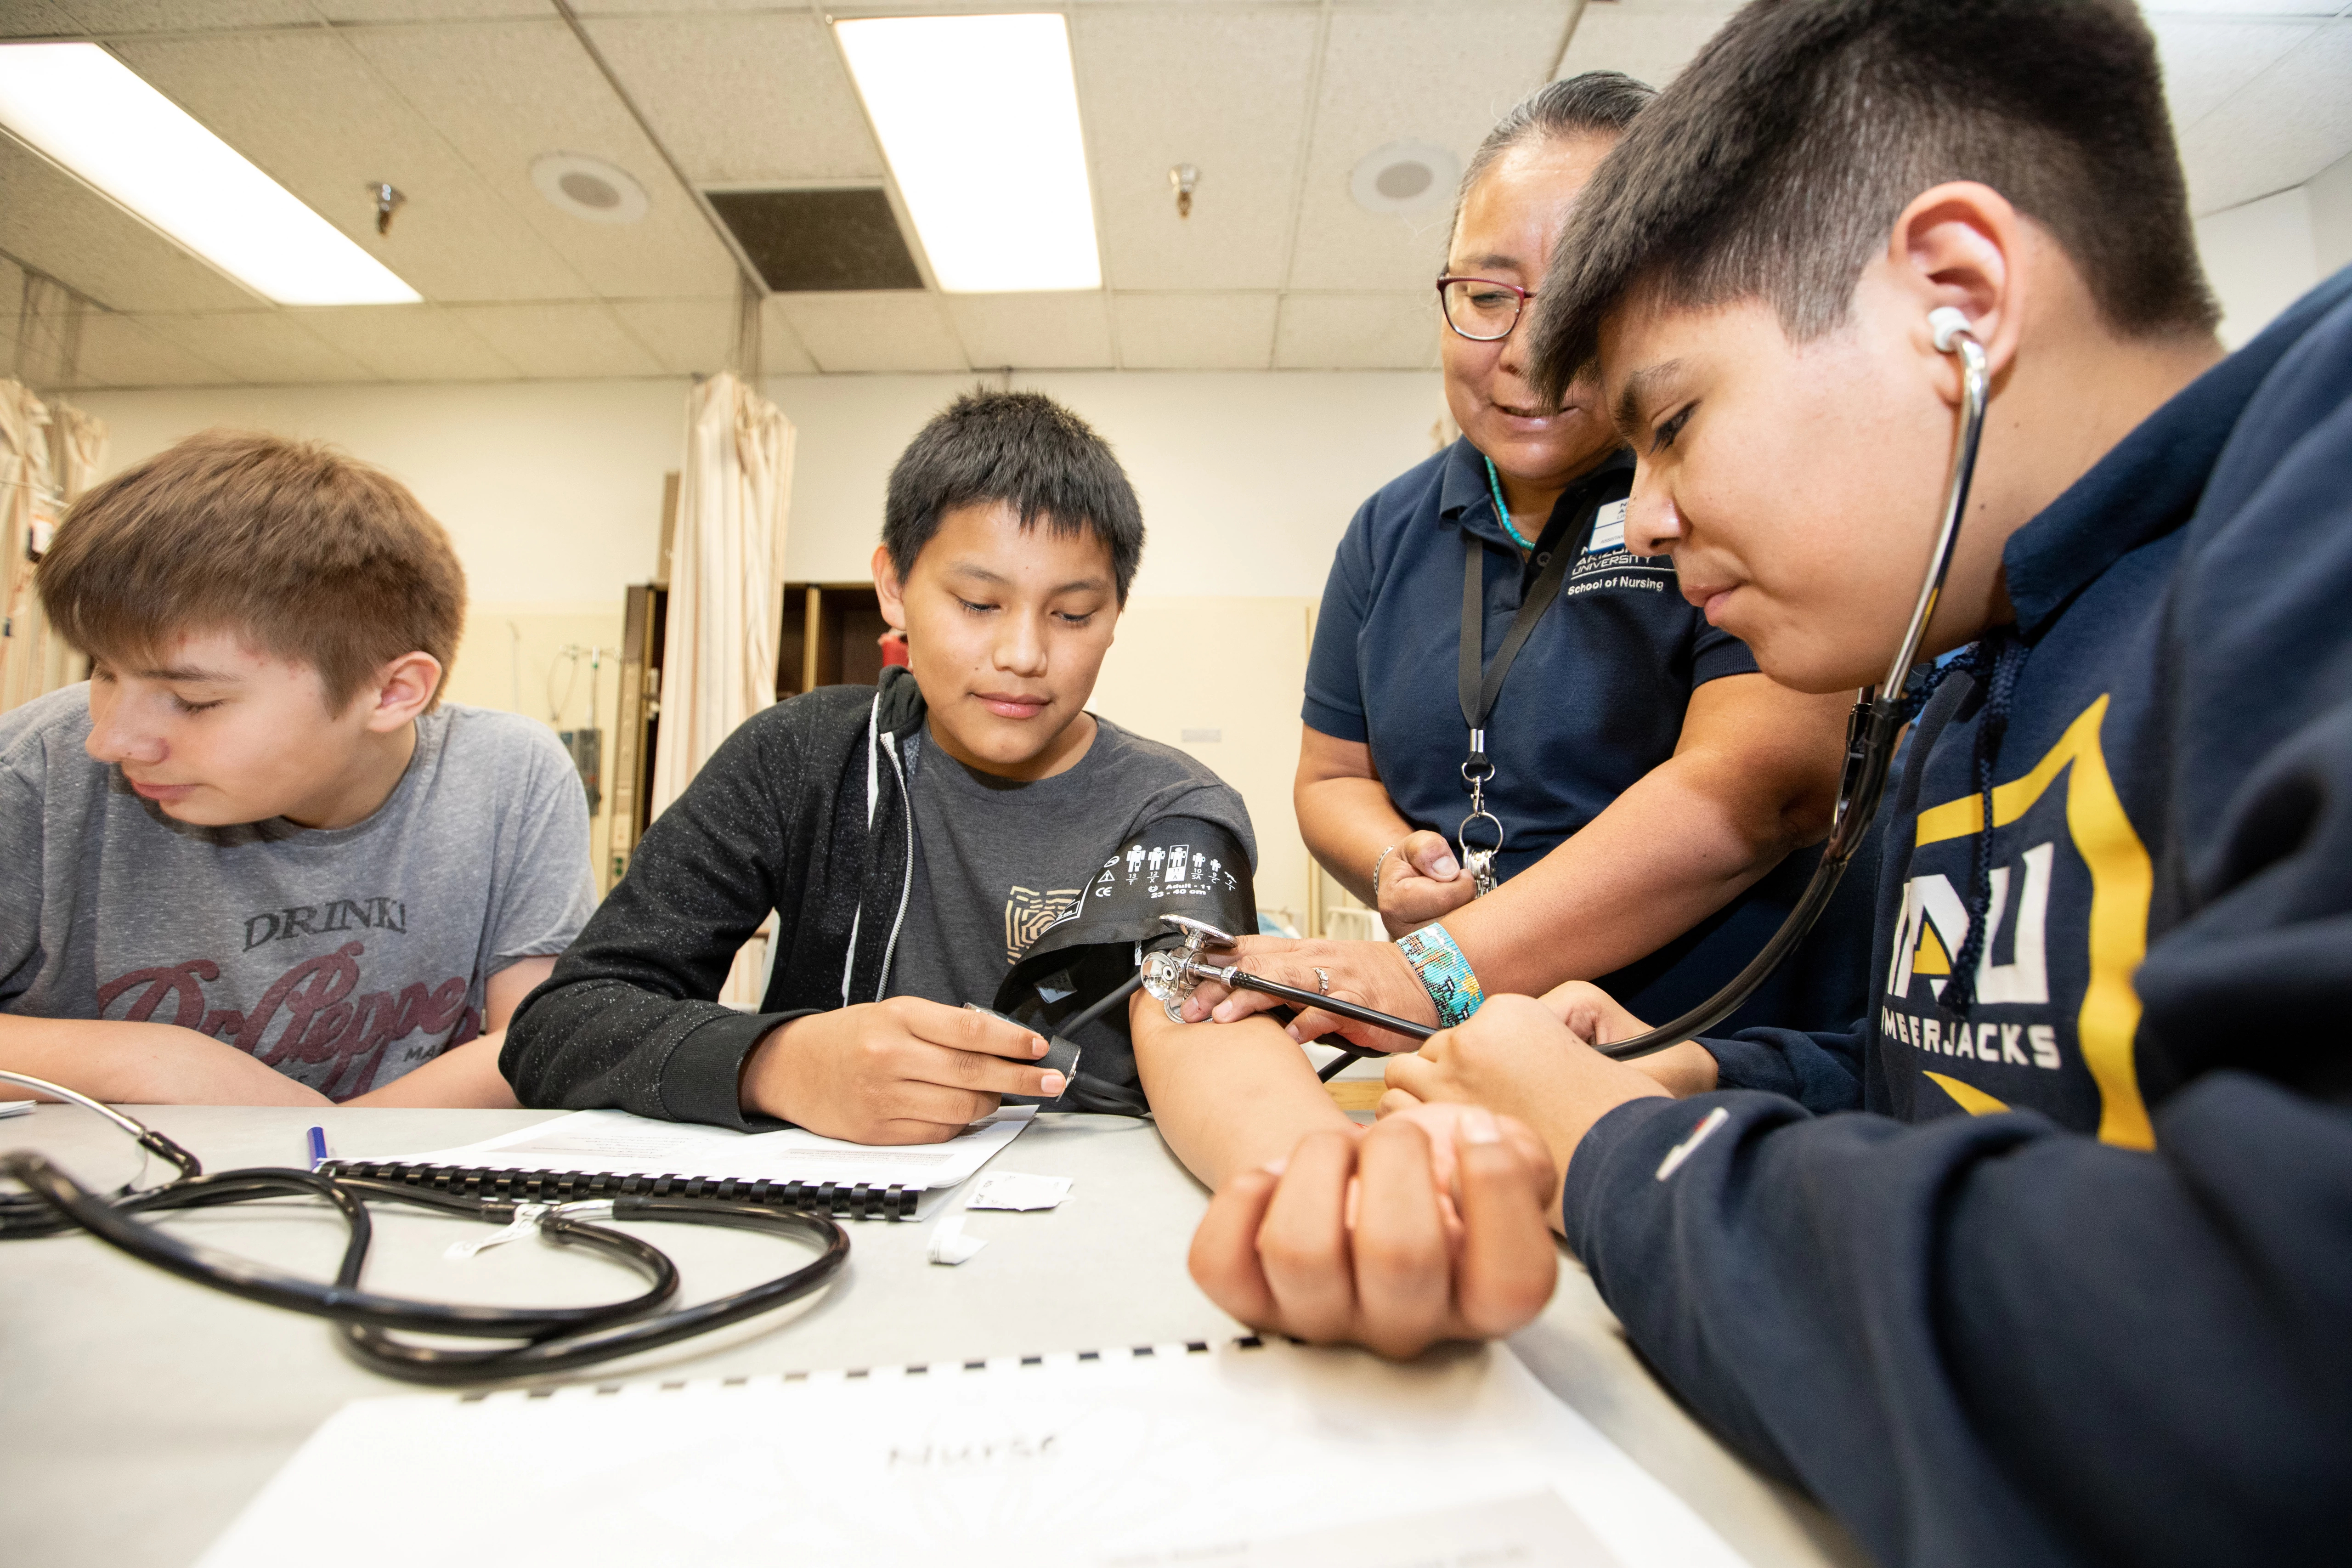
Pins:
x: 1482, y: 309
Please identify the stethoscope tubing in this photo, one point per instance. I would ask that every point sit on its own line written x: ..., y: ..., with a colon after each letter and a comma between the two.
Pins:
x: 551, y: 1339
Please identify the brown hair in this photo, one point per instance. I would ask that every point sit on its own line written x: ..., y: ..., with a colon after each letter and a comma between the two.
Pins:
x: 306, y: 553
x: 1776, y: 164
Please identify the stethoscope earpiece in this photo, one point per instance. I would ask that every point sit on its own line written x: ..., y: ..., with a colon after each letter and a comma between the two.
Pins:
x: 1947, y: 322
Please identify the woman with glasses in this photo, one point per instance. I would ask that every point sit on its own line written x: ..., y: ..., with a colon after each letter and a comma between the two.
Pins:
x: 1500, y: 695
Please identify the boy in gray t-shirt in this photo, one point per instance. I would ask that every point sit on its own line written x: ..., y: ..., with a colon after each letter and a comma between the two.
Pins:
x: 252, y: 860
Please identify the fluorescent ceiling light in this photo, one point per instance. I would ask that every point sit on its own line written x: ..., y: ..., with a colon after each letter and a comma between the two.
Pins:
x: 89, y: 111
x: 979, y: 117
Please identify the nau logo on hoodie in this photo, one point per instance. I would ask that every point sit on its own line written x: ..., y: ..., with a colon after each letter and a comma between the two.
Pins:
x: 2066, y: 926
x: 1934, y: 926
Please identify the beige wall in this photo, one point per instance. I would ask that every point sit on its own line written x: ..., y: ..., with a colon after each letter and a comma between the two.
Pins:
x: 552, y: 489
x: 1247, y: 479
x: 2264, y: 255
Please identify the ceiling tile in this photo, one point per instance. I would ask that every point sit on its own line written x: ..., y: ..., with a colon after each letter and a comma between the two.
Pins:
x: 428, y: 10
x: 313, y: 113
x: 1427, y: 74
x: 690, y: 337
x: 2205, y: 60
x: 1195, y: 331
x: 55, y: 223
x: 666, y: 7
x: 570, y: 341
x: 1357, y: 331
x: 503, y: 93
x: 1034, y: 332
x: 895, y: 332
x: 1222, y: 91
x: 743, y: 99
x: 1649, y: 41
x: 188, y: 15
x: 781, y: 349
x: 2279, y: 130
x: 408, y: 342
x: 37, y: 19
x: 265, y: 348
x: 117, y: 352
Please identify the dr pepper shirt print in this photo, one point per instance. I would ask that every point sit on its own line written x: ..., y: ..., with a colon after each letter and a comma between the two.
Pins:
x: 1595, y: 700
x: 341, y: 957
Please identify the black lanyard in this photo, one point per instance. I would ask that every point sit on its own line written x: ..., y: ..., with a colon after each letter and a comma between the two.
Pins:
x: 1479, y: 684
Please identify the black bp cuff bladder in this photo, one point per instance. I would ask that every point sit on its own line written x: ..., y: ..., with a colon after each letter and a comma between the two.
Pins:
x: 1176, y: 865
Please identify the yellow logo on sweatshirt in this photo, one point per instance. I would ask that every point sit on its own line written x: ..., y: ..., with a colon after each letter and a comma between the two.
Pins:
x: 1934, y: 921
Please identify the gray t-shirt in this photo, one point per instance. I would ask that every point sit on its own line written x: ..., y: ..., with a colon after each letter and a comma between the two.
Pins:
x: 996, y: 861
x: 343, y: 957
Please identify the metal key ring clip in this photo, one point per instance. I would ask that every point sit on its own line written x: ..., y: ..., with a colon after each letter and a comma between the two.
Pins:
x: 1461, y: 833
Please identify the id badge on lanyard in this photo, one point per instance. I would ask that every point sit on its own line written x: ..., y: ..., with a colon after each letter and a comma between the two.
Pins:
x: 1479, y: 687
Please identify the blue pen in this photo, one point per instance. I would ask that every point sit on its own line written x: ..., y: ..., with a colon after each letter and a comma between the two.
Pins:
x: 318, y: 1147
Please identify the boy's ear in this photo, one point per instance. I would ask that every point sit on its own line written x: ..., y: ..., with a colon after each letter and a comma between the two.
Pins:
x: 1963, y: 245
x: 888, y: 589
x: 403, y: 689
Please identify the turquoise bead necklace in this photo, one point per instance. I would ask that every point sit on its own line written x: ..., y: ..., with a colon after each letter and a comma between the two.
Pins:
x: 1503, y: 513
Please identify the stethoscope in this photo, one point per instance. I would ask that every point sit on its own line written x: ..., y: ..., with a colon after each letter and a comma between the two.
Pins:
x: 541, y: 1340
x: 1872, y: 731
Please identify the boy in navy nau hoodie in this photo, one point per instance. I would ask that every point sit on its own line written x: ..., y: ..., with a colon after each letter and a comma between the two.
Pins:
x: 2050, y: 1258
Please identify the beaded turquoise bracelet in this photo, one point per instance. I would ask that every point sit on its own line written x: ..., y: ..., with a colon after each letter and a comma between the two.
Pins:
x: 1444, y: 972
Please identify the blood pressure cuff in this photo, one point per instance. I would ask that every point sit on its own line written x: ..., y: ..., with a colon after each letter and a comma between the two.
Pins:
x: 1176, y: 865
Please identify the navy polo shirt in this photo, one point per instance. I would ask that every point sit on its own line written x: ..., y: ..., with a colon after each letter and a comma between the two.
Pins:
x: 1593, y: 703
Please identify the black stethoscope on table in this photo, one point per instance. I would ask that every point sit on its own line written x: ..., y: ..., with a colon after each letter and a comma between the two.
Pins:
x: 1872, y: 731
x: 540, y: 1339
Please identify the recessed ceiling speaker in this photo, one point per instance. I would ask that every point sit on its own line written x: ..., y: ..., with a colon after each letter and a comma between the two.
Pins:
x: 1403, y: 176
x: 588, y: 187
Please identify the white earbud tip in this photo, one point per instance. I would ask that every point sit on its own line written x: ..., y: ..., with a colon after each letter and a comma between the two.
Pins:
x: 1946, y: 322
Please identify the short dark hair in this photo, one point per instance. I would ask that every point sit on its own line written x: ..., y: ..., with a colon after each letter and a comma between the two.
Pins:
x: 1775, y: 165
x: 304, y: 552
x: 1597, y: 103
x: 1023, y: 449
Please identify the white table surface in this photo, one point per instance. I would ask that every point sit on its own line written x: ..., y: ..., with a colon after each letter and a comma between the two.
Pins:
x: 138, y: 1413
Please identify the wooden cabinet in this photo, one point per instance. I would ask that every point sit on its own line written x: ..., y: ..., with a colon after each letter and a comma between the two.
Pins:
x: 831, y: 637
x: 638, y: 723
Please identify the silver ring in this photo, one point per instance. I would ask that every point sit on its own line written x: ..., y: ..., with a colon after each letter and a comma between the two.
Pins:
x: 1323, y: 981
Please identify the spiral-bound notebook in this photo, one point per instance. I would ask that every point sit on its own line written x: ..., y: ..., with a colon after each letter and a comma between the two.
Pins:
x: 610, y: 1153
x: 1249, y: 1455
